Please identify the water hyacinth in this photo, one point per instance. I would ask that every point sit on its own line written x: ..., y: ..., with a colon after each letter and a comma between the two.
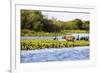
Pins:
x: 42, y: 44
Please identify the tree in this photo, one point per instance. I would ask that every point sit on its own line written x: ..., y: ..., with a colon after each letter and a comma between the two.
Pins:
x: 58, y: 25
x: 49, y: 25
x: 74, y: 24
x: 86, y: 25
x: 78, y: 23
x: 34, y: 20
x: 31, y: 19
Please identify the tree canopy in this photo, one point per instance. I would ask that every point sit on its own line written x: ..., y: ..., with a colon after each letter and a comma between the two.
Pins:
x: 34, y: 20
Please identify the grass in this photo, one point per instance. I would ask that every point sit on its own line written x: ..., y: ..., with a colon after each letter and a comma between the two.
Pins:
x: 75, y: 31
x: 42, y: 44
x: 64, y: 32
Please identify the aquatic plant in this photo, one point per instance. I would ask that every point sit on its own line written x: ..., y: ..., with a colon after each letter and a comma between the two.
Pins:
x: 42, y: 44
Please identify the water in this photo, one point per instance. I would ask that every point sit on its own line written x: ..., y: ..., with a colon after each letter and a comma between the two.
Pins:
x: 52, y: 37
x: 62, y: 54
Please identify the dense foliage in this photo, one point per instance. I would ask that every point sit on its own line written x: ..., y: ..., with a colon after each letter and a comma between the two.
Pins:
x: 43, y: 44
x: 35, y: 21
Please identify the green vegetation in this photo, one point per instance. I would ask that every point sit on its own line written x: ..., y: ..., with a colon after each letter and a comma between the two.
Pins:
x: 26, y: 32
x: 42, y: 44
x: 34, y: 23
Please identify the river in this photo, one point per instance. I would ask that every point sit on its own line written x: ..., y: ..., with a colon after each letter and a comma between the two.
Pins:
x: 54, y: 54
x: 76, y: 35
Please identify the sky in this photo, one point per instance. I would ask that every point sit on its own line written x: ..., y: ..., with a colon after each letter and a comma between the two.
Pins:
x: 65, y: 16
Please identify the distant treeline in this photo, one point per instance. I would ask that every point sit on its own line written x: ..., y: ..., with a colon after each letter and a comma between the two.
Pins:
x: 34, y: 20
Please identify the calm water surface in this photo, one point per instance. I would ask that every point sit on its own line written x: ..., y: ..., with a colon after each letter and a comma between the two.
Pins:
x: 55, y: 54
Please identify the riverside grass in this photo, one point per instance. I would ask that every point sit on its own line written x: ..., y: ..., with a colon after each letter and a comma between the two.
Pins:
x: 42, y: 44
x: 62, y: 33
